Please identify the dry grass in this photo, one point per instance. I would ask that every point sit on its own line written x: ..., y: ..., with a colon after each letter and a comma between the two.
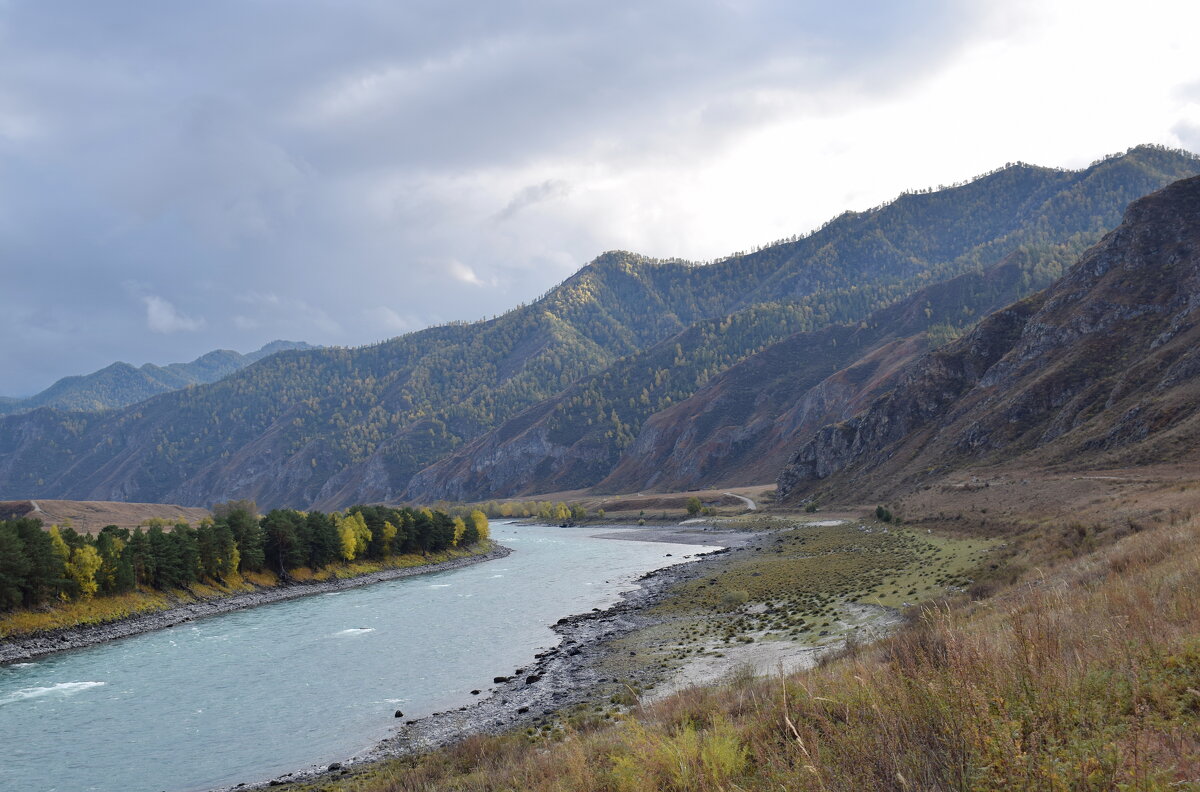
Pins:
x: 1086, y: 677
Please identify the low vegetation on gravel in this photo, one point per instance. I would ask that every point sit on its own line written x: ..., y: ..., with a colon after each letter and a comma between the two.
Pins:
x: 1082, y: 676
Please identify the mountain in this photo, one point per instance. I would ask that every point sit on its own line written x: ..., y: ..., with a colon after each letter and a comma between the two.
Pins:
x: 121, y: 384
x: 1100, y: 369
x: 335, y: 426
x: 742, y: 427
x: 738, y: 427
x: 675, y: 429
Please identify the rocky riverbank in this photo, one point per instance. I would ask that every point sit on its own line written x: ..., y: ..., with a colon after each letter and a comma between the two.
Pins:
x: 26, y: 648
x: 558, y: 678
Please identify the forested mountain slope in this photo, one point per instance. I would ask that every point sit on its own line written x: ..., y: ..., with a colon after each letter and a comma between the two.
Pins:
x: 743, y: 426
x: 336, y: 426
x: 740, y: 426
x: 659, y: 420
x: 1102, y: 368
x: 121, y: 384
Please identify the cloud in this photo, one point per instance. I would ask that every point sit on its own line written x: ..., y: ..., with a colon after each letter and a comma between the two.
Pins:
x: 392, y: 323
x: 163, y: 317
x: 463, y: 274
x: 548, y: 190
x: 296, y: 167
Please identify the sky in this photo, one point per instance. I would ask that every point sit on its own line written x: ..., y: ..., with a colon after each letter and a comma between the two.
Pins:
x: 179, y: 177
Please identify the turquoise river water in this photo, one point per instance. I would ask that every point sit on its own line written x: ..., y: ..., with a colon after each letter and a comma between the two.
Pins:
x: 255, y: 693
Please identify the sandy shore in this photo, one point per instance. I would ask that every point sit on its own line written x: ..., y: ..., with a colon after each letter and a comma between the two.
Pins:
x: 20, y: 649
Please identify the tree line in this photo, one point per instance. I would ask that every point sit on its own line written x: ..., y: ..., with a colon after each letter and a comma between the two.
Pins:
x: 39, y: 565
x: 543, y: 510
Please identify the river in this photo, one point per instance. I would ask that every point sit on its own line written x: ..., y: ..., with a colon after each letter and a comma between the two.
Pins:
x: 255, y: 693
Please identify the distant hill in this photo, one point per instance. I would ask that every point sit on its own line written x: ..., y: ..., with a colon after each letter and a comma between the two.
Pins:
x: 91, y: 516
x: 1100, y: 369
x: 622, y: 339
x: 121, y: 384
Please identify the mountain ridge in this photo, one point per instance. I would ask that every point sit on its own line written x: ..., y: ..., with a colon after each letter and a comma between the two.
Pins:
x: 121, y: 384
x: 534, y: 453
x: 335, y: 426
x: 1101, y: 369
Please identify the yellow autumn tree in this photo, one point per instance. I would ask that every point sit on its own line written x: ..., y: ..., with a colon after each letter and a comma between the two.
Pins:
x: 61, y: 551
x: 82, y: 568
x: 389, y: 537
x: 480, y: 521
x: 353, y: 534
x: 460, y: 528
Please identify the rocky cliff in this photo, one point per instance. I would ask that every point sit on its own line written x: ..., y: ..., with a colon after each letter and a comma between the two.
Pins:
x: 1103, y: 367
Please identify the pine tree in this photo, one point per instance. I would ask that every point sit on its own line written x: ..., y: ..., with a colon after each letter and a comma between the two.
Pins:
x: 14, y: 567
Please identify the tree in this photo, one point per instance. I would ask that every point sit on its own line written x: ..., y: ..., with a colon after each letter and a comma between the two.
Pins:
x: 82, y: 568
x: 206, y: 548
x: 225, y: 510
x: 694, y: 505
x: 59, y: 545
x: 248, y: 535
x: 324, y: 543
x: 140, y: 558
x: 479, y: 521
x: 353, y: 533
x: 183, y: 543
x: 442, y: 535
x: 116, y: 573
x: 422, y: 530
x: 229, y: 557
x: 282, y: 544
x: 45, y: 577
x: 14, y: 567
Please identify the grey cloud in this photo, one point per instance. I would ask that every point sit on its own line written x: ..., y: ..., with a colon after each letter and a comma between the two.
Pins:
x: 326, y: 152
x: 534, y: 194
x: 163, y: 317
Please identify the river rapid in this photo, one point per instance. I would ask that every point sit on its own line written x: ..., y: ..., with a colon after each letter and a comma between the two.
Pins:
x: 251, y: 694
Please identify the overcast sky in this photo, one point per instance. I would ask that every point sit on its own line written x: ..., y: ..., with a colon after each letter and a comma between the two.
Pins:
x: 177, y: 177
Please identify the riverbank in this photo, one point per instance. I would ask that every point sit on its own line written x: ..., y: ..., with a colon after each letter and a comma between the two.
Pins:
x: 804, y: 587
x: 63, y: 639
x: 568, y: 674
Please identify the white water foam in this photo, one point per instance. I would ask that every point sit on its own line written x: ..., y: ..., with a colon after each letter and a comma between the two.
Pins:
x: 63, y: 688
x: 356, y: 631
x: 439, y: 585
